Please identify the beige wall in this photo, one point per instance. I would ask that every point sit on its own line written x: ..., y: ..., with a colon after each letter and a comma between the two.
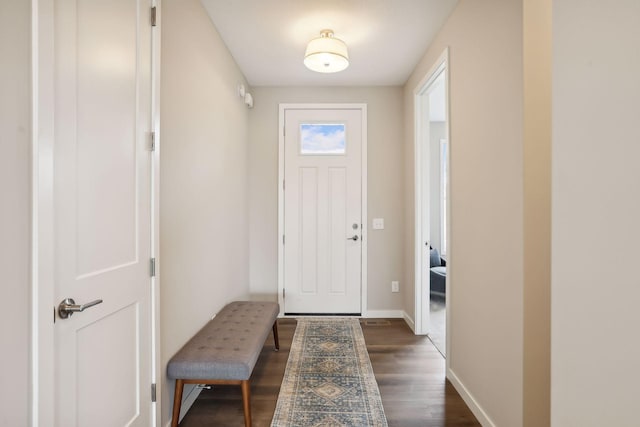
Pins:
x: 486, y: 143
x: 204, y: 236
x: 537, y: 212
x: 385, y: 195
x: 15, y: 210
x: 596, y: 207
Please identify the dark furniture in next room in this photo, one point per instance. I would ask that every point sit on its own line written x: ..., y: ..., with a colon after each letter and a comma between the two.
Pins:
x: 438, y: 273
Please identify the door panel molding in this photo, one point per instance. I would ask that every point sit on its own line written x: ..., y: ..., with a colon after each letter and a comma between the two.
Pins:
x: 281, y: 176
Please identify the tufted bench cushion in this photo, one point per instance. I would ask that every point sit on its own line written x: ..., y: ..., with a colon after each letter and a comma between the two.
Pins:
x: 225, y: 350
x: 227, y: 347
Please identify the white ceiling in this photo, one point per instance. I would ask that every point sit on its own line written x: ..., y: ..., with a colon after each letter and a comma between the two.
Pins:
x: 386, y: 38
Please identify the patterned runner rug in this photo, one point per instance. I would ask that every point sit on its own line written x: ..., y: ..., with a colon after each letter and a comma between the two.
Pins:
x: 329, y: 380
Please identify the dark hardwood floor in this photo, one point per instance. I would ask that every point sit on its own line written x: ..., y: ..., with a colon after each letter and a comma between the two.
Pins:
x: 409, y: 369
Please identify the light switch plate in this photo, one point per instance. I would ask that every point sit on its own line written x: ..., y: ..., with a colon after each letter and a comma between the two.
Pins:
x: 378, y: 223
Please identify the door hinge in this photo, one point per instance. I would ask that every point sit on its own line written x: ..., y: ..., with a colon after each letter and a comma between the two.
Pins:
x: 153, y: 16
x: 153, y: 392
x: 283, y: 185
x: 283, y: 292
x: 283, y: 239
x: 152, y: 268
x: 153, y: 141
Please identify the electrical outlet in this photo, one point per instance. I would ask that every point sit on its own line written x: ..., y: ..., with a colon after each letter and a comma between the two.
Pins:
x: 395, y: 286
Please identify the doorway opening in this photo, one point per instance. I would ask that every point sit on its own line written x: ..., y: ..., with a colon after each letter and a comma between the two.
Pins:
x: 432, y: 205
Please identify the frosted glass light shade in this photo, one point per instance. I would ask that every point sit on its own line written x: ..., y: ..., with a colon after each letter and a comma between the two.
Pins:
x: 326, y: 54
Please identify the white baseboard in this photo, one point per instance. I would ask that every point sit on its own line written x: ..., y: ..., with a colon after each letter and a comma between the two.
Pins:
x: 410, y: 322
x: 477, y: 410
x: 382, y: 314
x: 189, y: 395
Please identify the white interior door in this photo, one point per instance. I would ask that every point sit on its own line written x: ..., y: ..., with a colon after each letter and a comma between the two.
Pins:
x: 102, y: 210
x: 425, y: 229
x: 323, y: 211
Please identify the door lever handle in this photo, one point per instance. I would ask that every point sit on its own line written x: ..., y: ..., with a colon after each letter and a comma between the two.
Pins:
x: 68, y: 306
x: 354, y: 238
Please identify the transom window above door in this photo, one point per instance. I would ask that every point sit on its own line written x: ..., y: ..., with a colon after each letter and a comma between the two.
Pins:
x: 323, y: 139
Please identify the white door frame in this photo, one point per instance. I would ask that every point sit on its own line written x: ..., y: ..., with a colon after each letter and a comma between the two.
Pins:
x: 422, y: 323
x: 156, y: 369
x: 42, y: 375
x: 282, y: 109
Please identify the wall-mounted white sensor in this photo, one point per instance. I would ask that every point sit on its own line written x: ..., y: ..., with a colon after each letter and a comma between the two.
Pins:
x: 248, y: 99
x: 241, y: 90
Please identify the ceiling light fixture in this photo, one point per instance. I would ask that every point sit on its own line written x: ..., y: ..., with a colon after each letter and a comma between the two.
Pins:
x: 326, y: 54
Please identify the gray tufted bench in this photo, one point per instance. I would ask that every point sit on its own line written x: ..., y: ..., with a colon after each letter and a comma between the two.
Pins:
x: 225, y: 351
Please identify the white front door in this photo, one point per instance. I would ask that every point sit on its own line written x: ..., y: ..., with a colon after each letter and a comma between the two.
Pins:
x: 102, y: 211
x: 323, y: 221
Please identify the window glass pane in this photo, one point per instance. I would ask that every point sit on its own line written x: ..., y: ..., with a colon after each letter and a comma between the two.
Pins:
x: 322, y: 138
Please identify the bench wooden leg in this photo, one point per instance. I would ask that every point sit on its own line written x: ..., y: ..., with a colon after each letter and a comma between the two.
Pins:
x: 177, y: 402
x: 246, y: 402
x: 275, y: 335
